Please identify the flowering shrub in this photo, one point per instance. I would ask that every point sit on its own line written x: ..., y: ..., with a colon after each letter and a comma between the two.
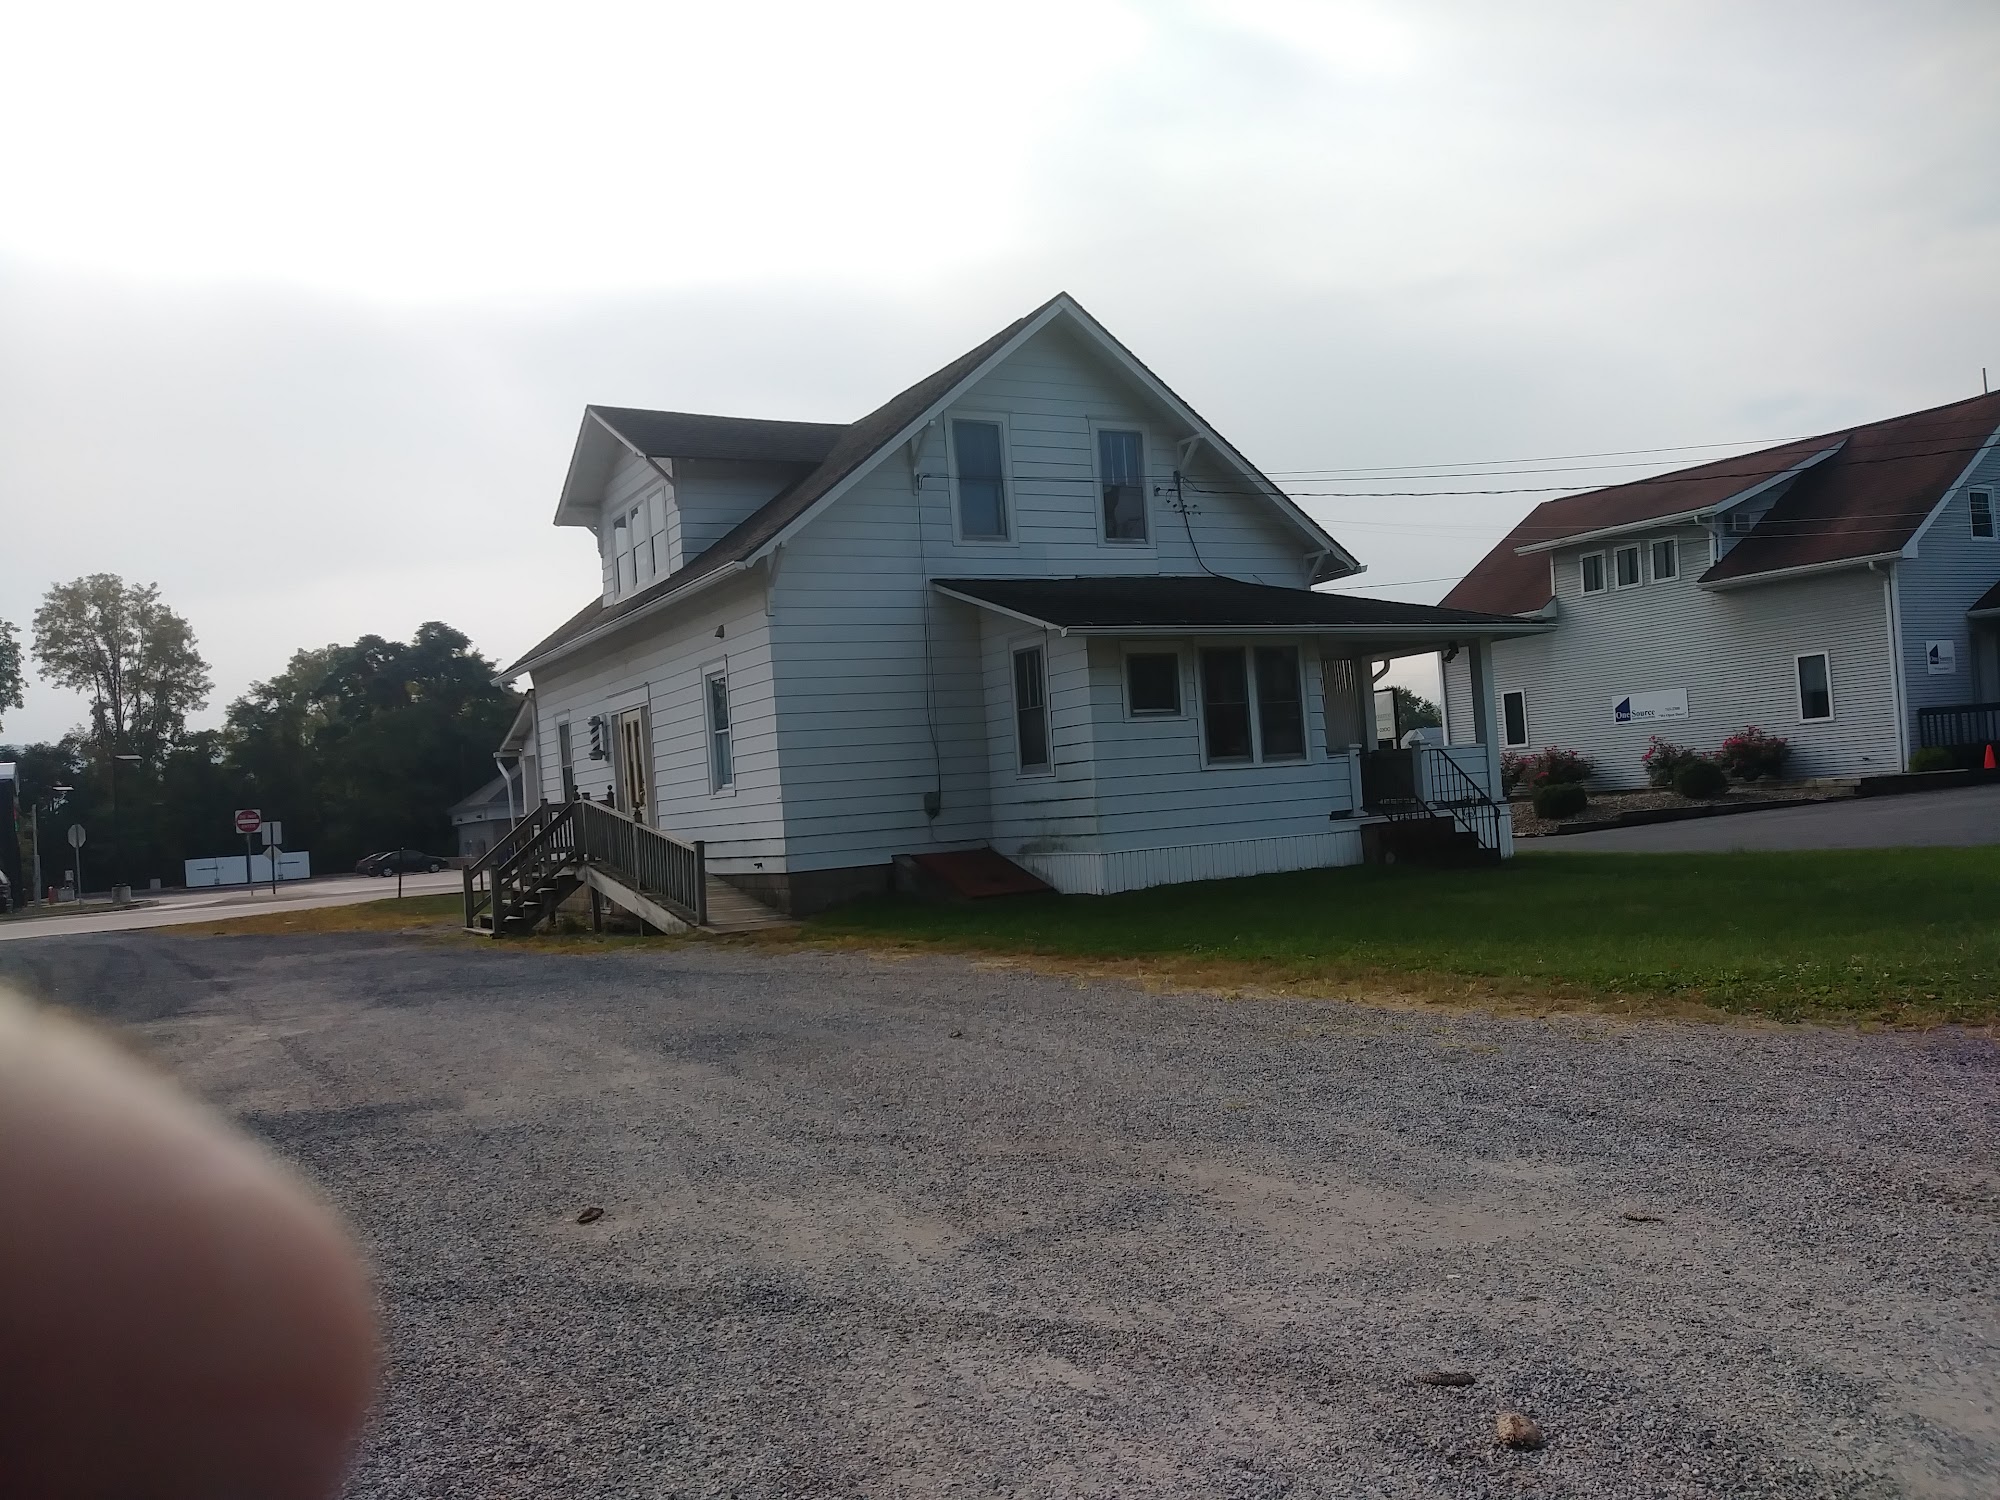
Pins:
x: 1663, y: 760
x: 1750, y: 753
x: 1555, y: 766
x: 1513, y: 766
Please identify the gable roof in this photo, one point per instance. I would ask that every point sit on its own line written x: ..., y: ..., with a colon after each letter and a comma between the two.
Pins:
x: 1174, y: 604
x: 858, y: 447
x: 1858, y: 493
x: 1987, y: 603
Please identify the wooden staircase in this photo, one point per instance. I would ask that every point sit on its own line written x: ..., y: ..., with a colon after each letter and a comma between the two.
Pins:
x: 562, y: 847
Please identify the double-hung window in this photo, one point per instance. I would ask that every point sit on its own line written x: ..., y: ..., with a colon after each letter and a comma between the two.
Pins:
x: 1121, y: 479
x: 1815, y: 687
x: 1591, y: 570
x: 1666, y: 560
x: 1031, y: 710
x: 1626, y: 560
x: 566, y: 758
x: 980, y: 476
x: 1981, y: 502
x: 721, y: 746
x: 1252, y: 705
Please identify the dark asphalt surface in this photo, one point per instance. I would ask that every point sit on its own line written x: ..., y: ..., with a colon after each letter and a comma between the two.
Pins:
x: 923, y: 1227
x: 1961, y: 816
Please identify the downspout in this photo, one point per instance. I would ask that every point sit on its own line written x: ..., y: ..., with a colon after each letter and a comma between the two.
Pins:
x: 1892, y: 609
x: 508, y: 782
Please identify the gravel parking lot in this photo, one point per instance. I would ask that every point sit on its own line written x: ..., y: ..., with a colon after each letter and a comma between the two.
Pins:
x: 927, y: 1227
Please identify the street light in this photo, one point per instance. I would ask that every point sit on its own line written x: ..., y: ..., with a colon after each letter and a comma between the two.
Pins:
x: 118, y: 880
x: 35, y: 827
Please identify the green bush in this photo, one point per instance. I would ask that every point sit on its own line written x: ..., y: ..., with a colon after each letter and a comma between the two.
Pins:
x: 1663, y: 760
x: 1560, y: 799
x: 1933, y: 758
x: 1701, y: 779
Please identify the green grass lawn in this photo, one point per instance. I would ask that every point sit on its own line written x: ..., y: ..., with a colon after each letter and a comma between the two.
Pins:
x: 1906, y: 935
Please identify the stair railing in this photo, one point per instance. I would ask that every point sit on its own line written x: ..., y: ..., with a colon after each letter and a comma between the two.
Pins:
x: 672, y: 871
x: 1444, y: 789
x: 479, y: 874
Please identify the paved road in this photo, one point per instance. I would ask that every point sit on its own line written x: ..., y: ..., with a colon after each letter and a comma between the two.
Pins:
x: 928, y: 1228
x: 177, y: 908
x: 1965, y: 815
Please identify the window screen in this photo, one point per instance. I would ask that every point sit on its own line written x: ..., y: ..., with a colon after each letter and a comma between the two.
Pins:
x: 1281, y: 709
x: 1225, y: 705
x: 1666, y: 560
x: 1815, y: 688
x: 1031, y: 714
x: 1121, y: 470
x: 1593, y: 573
x: 1153, y: 683
x: 1982, y: 512
x: 982, y: 491
x: 1514, y: 710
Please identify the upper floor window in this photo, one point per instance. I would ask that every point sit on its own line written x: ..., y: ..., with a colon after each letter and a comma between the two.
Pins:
x: 1741, y: 520
x: 1627, y: 559
x: 1982, y: 513
x: 1666, y: 560
x: 1591, y: 568
x: 1031, y: 710
x: 981, y: 481
x: 1121, y: 478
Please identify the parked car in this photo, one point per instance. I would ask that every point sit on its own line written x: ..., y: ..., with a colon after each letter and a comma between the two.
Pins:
x: 403, y: 861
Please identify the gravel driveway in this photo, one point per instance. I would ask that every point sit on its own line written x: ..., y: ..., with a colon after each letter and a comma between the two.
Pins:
x: 923, y: 1227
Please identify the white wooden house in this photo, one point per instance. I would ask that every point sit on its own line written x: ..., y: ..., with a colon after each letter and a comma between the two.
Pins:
x: 1033, y: 603
x: 1841, y: 591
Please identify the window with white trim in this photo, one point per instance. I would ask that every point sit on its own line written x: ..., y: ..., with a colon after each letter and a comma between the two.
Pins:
x: 1252, y: 705
x: 980, y: 480
x: 1981, y: 503
x: 1590, y: 569
x: 1153, y: 684
x: 1741, y: 521
x: 721, y: 737
x: 1031, y: 710
x: 1626, y: 563
x: 1121, y: 484
x: 1514, y: 718
x: 1666, y: 560
x: 566, y: 759
x: 1815, y: 686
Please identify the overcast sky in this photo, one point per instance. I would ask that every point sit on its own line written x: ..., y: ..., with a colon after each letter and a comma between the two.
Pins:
x: 299, y: 306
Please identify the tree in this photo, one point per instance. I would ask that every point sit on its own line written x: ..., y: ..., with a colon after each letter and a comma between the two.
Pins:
x: 134, y: 656
x: 1414, y: 711
x: 10, y: 668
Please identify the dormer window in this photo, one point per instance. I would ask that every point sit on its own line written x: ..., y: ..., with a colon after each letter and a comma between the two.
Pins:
x: 1741, y: 521
x: 1982, y: 514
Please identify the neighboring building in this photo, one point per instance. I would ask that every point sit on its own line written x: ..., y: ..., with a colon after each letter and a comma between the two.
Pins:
x: 1842, y: 591
x: 1033, y: 602
x: 480, y: 819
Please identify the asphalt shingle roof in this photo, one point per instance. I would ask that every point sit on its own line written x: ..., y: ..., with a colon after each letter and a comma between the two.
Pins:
x: 1201, y: 602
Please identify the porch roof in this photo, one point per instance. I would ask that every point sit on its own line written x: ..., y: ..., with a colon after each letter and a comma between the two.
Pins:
x: 1987, y: 604
x: 1154, y: 605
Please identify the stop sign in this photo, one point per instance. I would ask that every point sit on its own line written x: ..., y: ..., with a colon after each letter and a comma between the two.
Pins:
x: 248, y: 820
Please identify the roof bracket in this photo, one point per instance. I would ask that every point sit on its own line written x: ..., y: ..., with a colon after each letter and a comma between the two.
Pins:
x: 1185, y: 451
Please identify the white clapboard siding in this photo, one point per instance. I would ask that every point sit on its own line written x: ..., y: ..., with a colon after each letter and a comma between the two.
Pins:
x: 1732, y: 650
x: 1086, y: 874
x: 711, y: 496
x: 862, y: 737
x: 1951, y: 569
x: 662, y: 666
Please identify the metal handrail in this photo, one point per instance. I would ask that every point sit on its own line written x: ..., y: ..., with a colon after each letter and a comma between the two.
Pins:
x: 1458, y: 795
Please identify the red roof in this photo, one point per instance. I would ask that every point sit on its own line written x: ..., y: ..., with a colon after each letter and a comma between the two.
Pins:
x: 1869, y: 498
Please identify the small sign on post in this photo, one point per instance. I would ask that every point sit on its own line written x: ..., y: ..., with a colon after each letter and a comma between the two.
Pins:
x: 248, y: 820
x: 76, y: 843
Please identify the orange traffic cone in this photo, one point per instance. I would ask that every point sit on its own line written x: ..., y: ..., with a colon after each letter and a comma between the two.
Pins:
x: 1989, y: 759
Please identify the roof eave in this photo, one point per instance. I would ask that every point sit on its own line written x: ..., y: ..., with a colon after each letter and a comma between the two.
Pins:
x: 610, y: 627
x: 573, y: 507
x: 1802, y: 570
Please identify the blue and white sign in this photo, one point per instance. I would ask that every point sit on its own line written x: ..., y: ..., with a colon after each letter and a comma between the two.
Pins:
x: 1650, y: 708
x: 1941, y: 657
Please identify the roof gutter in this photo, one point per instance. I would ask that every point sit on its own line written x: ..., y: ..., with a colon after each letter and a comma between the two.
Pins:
x: 1804, y: 570
x: 610, y: 627
x: 1450, y: 631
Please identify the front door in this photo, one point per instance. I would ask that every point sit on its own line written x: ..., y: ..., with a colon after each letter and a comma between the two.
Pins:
x: 635, y: 765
